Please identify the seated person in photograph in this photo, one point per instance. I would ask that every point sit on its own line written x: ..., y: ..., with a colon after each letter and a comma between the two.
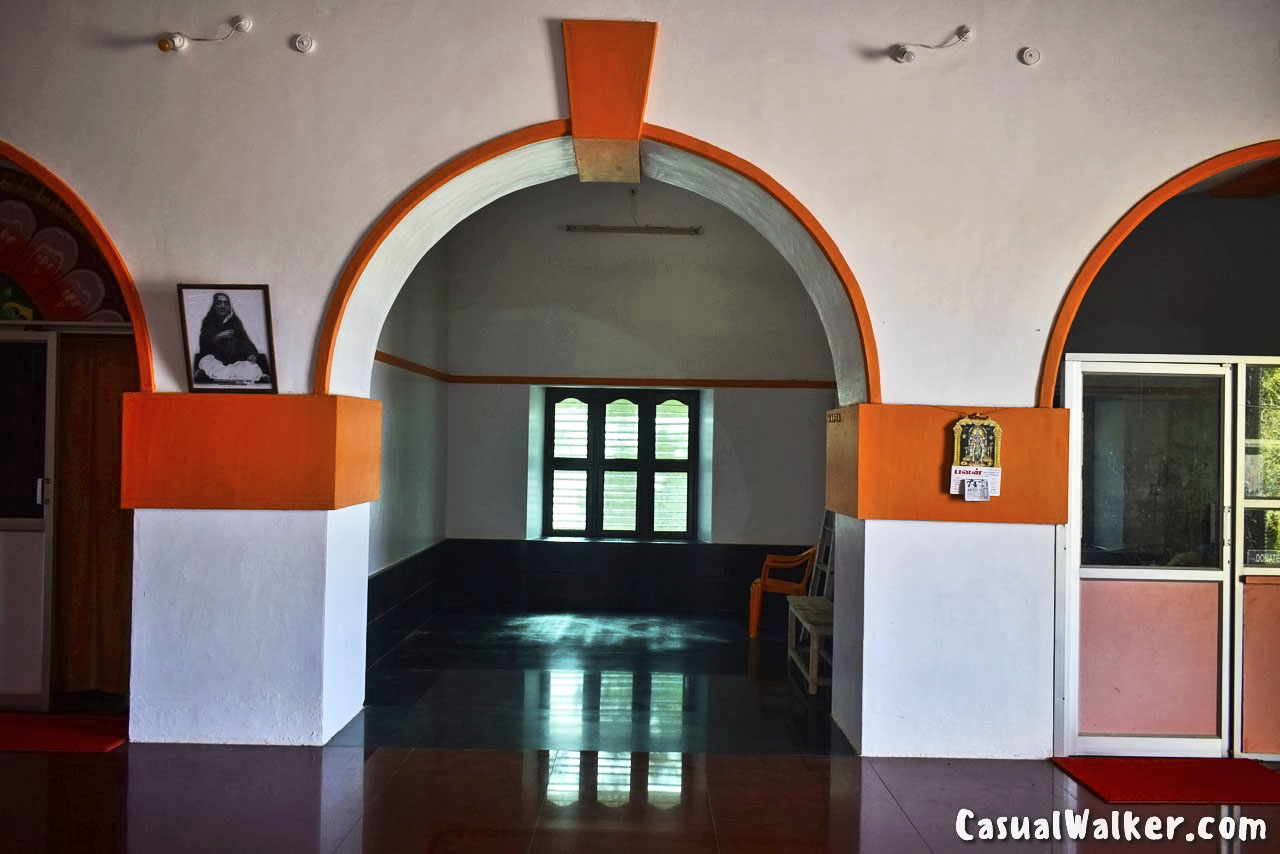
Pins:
x: 226, y: 354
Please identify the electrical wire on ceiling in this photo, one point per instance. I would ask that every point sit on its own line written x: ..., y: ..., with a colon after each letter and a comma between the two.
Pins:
x: 637, y: 228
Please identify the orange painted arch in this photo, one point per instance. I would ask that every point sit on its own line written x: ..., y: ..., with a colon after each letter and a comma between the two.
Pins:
x: 104, y: 244
x: 1121, y: 230
x: 561, y: 127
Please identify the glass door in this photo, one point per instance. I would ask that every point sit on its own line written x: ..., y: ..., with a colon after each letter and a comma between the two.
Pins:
x: 1256, y: 723
x: 26, y: 466
x: 1147, y: 601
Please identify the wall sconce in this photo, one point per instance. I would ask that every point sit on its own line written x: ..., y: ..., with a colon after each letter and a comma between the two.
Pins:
x: 902, y: 52
x: 177, y: 41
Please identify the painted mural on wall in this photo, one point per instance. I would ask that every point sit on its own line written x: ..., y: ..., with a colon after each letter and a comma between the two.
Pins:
x: 50, y: 268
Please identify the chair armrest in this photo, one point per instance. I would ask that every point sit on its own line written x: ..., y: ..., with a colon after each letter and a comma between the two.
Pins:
x: 804, y: 559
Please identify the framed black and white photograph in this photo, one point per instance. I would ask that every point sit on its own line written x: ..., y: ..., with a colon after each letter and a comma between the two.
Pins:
x: 226, y: 336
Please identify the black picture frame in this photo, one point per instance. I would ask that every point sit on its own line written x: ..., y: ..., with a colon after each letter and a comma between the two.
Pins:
x: 234, y: 352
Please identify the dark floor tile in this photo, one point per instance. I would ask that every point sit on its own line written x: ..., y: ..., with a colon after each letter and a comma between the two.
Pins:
x: 443, y: 837
x: 507, y: 680
x: 619, y: 841
x: 397, y: 686
x: 864, y: 815
x: 626, y: 801
x: 217, y: 798
x: 55, y: 802
x: 449, y: 800
x: 502, y: 689
x: 779, y: 803
x: 388, y: 726
x: 933, y: 791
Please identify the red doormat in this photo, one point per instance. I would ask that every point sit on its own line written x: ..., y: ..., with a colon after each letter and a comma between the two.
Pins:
x: 1138, y: 780
x: 40, y: 732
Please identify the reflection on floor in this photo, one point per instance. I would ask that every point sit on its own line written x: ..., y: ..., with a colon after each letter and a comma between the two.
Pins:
x: 161, y: 799
x: 493, y: 733
x: 613, y: 683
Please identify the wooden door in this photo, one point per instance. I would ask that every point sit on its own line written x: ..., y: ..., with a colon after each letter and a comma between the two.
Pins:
x: 94, y: 536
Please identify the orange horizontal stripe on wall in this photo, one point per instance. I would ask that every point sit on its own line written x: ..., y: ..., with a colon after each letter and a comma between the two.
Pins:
x: 899, y: 465
x: 250, y: 451
x: 407, y: 365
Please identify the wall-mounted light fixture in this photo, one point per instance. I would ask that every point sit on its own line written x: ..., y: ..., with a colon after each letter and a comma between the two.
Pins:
x: 177, y: 41
x: 637, y: 228
x: 903, y: 52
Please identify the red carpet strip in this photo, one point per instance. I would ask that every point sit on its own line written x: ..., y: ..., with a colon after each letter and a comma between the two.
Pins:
x: 1138, y: 780
x: 44, y: 732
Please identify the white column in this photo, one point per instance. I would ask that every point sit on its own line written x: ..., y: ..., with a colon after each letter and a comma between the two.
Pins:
x: 848, y: 566
x: 957, y: 640
x: 248, y: 625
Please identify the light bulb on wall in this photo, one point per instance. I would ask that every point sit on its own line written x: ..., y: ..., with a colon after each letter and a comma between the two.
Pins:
x: 177, y: 41
x: 904, y: 51
x: 173, y: 41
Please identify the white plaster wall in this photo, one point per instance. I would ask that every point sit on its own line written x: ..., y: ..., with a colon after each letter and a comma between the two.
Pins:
x: 965, y: 189
x: 248, y: 625
x: 848, y: 563
x: 488, y: 461
x: 229, y: 626
x: 417, y: 326
x: 528, y: 298
x: 768, y: 471
x: 769, y: 465
x: 346, y: 593
x: 958, y: 640
x: 409, y: 514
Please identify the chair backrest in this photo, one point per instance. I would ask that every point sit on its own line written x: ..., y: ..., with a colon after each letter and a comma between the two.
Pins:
x: 821, y: 581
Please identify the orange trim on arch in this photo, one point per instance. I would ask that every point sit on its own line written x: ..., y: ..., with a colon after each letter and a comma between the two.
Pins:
x: 389, y: 220
x: 128, y: 290
x: 1121, y: 230
x: 550, y: 130
x: 870, y: 356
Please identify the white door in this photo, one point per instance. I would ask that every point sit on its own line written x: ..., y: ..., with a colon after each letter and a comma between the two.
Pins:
x: 27, y: 363
x: 1145, y: 610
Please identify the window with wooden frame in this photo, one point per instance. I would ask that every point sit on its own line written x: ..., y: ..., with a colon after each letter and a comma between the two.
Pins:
x: 620, y: 463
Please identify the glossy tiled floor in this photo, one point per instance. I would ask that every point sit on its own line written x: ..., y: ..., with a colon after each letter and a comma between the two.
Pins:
x: 188, y: 798
x: 555, y: 734
x: 590, y: 682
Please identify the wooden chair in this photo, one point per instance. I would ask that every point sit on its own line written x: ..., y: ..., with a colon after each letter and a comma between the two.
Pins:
x: 809, y: 583
x: 811, y: 619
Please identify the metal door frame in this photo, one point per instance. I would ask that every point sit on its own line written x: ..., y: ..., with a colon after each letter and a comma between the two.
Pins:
x: 47, y: 524
x: 1067, y: 737
x: 1241, y: 568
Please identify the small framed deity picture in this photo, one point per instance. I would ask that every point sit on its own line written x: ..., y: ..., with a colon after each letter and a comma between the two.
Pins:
x: 226, y: 336
x: 976, y: 442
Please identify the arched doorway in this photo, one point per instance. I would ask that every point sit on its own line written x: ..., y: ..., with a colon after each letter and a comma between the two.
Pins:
x: 1167, y: 604
x: 73, y: 340
x: 542, y: 153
